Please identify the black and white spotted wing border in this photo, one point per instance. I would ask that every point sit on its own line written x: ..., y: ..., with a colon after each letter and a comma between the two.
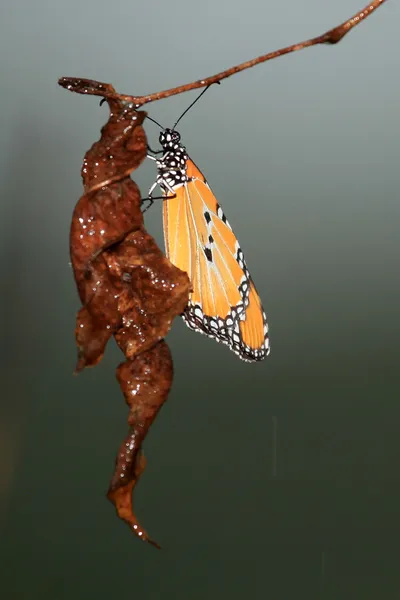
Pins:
x: 227, y: 330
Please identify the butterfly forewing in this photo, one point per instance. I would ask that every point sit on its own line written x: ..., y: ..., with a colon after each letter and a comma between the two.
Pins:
x: 224, y: 303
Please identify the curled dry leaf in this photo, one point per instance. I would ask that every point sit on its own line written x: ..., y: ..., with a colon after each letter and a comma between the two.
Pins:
x: 127, y: 287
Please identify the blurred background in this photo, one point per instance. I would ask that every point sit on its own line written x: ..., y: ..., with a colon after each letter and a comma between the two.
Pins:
x: 272, y: 480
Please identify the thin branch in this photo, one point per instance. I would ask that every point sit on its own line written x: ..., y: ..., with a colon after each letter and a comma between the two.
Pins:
x: 333, y: 36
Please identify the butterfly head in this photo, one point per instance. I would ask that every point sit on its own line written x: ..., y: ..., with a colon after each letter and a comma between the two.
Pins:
x: 169, y: 138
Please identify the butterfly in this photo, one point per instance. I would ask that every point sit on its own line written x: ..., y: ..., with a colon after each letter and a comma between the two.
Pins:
x: 224, y: 303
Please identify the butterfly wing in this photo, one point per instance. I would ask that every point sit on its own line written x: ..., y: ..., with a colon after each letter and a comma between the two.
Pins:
x: 224, y: 303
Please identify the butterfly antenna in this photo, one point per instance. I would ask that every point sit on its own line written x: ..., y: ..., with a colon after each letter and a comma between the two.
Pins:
x: 194, y: 102
x: 154, y: 121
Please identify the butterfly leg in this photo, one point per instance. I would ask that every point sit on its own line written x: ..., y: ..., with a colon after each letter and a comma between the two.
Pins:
x: 150, y: 198
x: 150, y: 202
x: 153, y: 152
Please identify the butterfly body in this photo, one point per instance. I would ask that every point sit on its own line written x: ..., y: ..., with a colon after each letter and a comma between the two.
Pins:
x: 172, y: 166
x: 224, y: 303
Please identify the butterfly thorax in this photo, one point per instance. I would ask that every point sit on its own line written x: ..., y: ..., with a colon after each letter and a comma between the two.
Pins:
x: 172, y: 165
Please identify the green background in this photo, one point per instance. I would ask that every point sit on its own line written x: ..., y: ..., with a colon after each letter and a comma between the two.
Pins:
x: 275, y: 480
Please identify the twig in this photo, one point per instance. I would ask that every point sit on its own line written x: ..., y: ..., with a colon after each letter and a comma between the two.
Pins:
x: 333, y: 36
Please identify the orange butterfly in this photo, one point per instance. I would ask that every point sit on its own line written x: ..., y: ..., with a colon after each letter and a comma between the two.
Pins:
x: 224, y: 303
